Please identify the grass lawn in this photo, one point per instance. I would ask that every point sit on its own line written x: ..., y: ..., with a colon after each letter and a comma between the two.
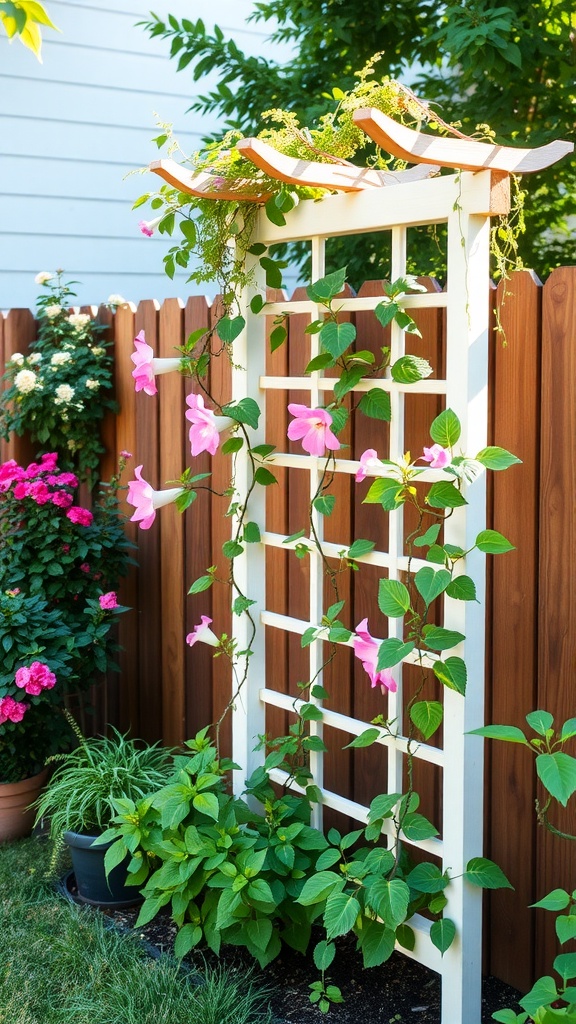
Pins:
x: 61, y: 964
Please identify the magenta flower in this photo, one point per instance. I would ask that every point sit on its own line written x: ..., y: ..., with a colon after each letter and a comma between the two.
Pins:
x: 203, y: 633
x: 368, y: 461
x: 312, y: 427
x: 143, y: 373
x: 437, y: 456
x: 79, y: 515
x: 366, y: 649
x: 147, y: 227
x: 206, y: 426
x: 108, y: 601
x: 34, y: 679
x: 39, y: 492
x: 49, y: 462
x: 146, y: 500
x: 9, y: 472
x: 61, y: 499
x: 12, y: 710
x: 21, y: 490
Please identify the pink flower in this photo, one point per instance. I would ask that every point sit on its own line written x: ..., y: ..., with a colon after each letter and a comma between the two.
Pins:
x: 204, y: 433
x: 32, y: 470
x: 312, y: 427
x: 21, y: 490
x: 65, y: 548
x: 366, y: 649
x: 84, y: 567
x: 437, y: 456
x: 9, y: 472
x: 203, y: 633
x: 49, y: 462
x: 147, y: 227
x: 64, y: 480
x: 34, y: 679
x: 146, y: 500
x: 108, y: 601
x: 39, y: 492
x: 11, y: 710
x: 61, y: 499
x: 142, y: 358
x: 81, y: 516
x: 124, y: 454
x: 368, y: 461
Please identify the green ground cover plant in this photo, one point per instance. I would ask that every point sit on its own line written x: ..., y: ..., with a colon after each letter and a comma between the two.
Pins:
x: 61, y: 963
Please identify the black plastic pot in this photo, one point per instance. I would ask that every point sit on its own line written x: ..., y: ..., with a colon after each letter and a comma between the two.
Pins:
x: 93, y: 886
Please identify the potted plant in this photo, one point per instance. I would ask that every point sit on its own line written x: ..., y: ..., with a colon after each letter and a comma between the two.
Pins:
x: 79, y: 802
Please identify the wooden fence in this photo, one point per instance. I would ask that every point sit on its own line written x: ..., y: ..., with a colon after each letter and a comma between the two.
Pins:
x: 168, y: 691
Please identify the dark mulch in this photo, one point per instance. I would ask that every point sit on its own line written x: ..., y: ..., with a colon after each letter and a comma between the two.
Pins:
x: 399, y: 992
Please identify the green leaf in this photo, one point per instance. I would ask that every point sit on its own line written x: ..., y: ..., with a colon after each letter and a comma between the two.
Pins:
x: 318, y: 886
x: 485, y: 874
x: 233, y: 444
x: 385, y: 312
x: 541, y: 994
x: 452, y: 673
x: 188, y: 937
x: 439, y: 639
x: 462, y: 588
x: 207, y: 803
x: 386, y: 492
x: 509, y: 733
x: 324, y: 953
x: 557, y: 773
x: 348, y: 380
x: 278, y: 336
x: 427, y: 716
x: 409, y: 369
x: 416, y: 827
x: 241, y: 604
x: 339, y: 418
x: 275, y: 216
x: 405, y: 937
x: 446, y: 429
x: 244, y: 411
x: 264, y: 477
x: 376, y: 404
x: 361, y: 547
x: 430, y: 584
x: 320, y: 362
x: 568, y: 729
x: 393, y: 598
x: 392, y: 651
x: 324, y: 504
x: 257, y: 303
x: 540, y: 721
x: 270, y: 267
x: 231, y: 549
x: 556, y: 900
x: 427, y: 877
x: 382, y: 805
x: 566, y: 927
x: 259, y: 932
x: 442, y: 934
x: 443, y: 494
x: 326, y: 288
x: 376, y: 942
x: 340, y: 914
x: 252, y: 533
x: 496, y: 458
x: 228, y: 330
x: 427, y: 538
x: 202, y: 583
x: 336, y: 338
x: 493, y: 543
x: 365, y: 739
x: 390, y: 898
x: 565, y: 965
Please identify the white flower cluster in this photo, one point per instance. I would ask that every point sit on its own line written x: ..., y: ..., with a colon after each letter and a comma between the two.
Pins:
x: 17, y: 358
x: 52, y: 311
x: 43, y: 277
x: 64, y: 394
x: 98, y: 350
x: 59, y: 359
x: 35, y: 358
x: 115, y: 300
x: 92, y: 385
x: 79, y: 320
x: 25, y: 381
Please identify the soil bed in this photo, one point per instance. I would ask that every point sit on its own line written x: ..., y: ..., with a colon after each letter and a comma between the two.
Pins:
x: 399, y: 992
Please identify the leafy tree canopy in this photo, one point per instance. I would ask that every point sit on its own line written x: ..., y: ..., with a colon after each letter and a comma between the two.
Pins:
x: 511, y: 67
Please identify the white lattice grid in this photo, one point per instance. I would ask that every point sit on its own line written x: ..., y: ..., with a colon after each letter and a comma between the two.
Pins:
x: 463, y: 201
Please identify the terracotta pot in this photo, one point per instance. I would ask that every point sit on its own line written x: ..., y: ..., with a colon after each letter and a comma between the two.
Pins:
x: 15, y: 820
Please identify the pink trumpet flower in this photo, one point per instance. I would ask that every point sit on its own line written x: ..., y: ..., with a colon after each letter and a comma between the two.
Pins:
x: 147, y: 227
x: 368, y: 461
x: 437, y: 456
x: 312, y: 427
x: 205, y: 431
x: 366, y: 649
x: 146, y: 500
x: 147, y: 367
x: 203, y: 633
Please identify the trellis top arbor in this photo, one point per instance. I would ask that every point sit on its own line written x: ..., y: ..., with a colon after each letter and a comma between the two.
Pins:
x: 383, y: 201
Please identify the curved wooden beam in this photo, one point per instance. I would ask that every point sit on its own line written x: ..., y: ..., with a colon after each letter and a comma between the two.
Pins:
x: 465, y: 154
x: 341, y: 177
x: 208, y: 186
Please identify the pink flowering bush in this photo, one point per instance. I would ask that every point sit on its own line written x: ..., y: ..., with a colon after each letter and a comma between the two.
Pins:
x: 67, y: 560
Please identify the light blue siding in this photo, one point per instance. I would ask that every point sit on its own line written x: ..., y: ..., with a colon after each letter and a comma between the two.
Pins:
x: 74, y: 129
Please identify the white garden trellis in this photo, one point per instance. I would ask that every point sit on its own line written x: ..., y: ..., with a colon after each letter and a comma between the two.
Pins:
x: 385, y: 202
